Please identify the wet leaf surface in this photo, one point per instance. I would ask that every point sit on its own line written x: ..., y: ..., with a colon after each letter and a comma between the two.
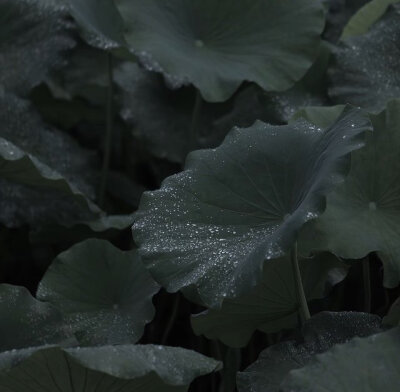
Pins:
x: 213, y: 225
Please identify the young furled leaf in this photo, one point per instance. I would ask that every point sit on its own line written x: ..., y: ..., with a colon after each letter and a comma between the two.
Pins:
x: 365, y: 17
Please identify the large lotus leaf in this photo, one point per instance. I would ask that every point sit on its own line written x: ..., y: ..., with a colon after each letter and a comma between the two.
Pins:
x: 319, y: 334
x: 33, y: 39
x: 213, y: 225
x: 338, y: 14
x: 167, y: 134
x: 363, y: 214
x: 111, y: 307
x: 124, y: 368
x: 100, y: 20
x: 363, y: 364
x: 273, y: 305
x: 26, y: 322
x: 216, y: 46
x: 366, y: 16
x: 365, y: 71
x: 276, y: 108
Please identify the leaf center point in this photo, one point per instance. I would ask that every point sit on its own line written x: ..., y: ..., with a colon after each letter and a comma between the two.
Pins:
x: 199, y: 43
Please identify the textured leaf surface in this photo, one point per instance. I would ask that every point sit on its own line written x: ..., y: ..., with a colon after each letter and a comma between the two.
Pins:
x: 109, y: 368
x: 213, y: 225
x: 363, y: 214
x: 363, y: 364
x: 102, y: 23
x: 105, y: 294
x: 273, y: 305
x: 41, y: 184
x: 216, y: 46
x: 320, y: 333
x: 26, y: 322
x: 365, y: 70
x: 160, y: 117
x: 33, y: 38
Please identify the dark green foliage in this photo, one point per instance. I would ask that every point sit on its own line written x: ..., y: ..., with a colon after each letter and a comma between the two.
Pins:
x: 266, y: 219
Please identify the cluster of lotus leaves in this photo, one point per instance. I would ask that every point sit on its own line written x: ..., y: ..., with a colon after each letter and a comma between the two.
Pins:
x: 206, y: 45
x: 80, y: 331
x: 209, y: 229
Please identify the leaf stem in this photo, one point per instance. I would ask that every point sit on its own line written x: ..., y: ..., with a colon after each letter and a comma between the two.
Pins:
x: 171, y: 320
x: 109, y: 130
x: 304, y: 311
x: 194, y: 137
x: 367, y: 284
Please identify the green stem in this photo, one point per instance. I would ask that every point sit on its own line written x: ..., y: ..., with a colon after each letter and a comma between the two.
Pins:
x: 171, y: 320
x: 305, y: 313
x: 367, y: 284
x: 109, y: 130
x: 194, y: 137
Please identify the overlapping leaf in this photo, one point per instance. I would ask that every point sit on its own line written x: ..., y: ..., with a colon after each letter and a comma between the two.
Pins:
x: 100, y: 20
x: 366, y: 16
x: 41, y: 184
x: 109, y: 368
x: 33, y: 39
x: 85, y: 77
x: 110, y: 307
x: 216, y: 46
x: 161, y: 118
x: 273, y: 305
x: 371, y: 364
x: 338, y: 14
x: 26, y: 322
x: 213, y: 225
x: 320, y: 333
x: 363, y: 214
x: 277, y: 108
x: 366, y: 71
